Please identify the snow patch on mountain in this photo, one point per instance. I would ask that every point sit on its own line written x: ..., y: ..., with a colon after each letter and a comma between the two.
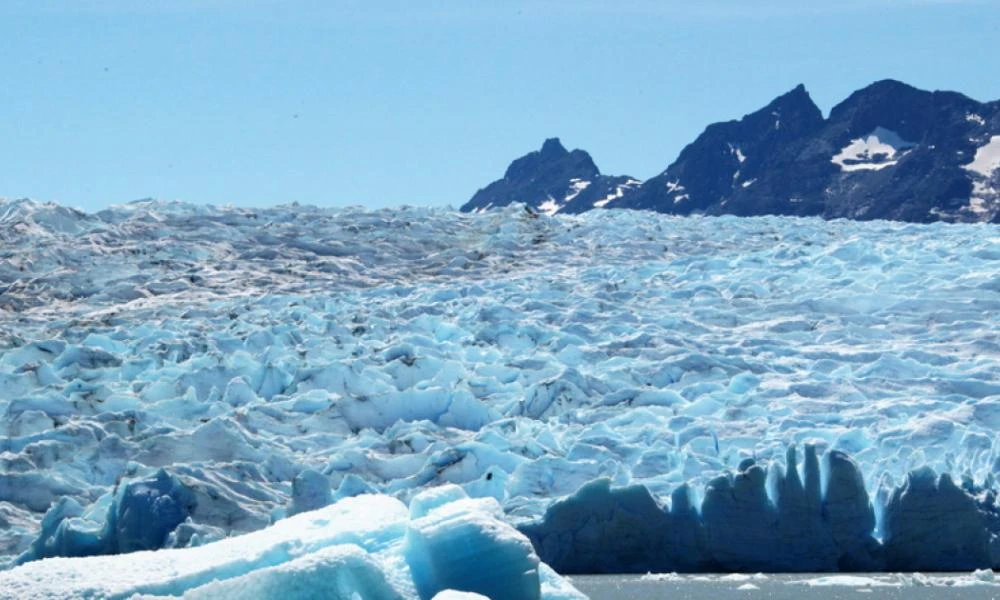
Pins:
x: 550, y: 206
x: 974, y: 118
x: 620, y: 191
x: 738, y: 153
x: 987, y: 158
x: 576, y: 186
x: 879, y: 149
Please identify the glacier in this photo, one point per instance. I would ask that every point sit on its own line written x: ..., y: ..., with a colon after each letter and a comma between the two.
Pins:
x: 172, y: 375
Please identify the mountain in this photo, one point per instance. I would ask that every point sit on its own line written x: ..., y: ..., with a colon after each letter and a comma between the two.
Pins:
x: 552, y: 180
x: 889, y: 151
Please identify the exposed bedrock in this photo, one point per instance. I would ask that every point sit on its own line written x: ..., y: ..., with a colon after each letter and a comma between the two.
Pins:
x: 802, y: 517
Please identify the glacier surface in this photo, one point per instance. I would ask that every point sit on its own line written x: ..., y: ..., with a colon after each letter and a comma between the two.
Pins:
x: 213, y: 370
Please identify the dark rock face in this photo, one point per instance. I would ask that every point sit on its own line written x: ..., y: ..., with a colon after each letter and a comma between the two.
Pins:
x: 718, y: 171
x: 552, y: 179
x: 889, y: 151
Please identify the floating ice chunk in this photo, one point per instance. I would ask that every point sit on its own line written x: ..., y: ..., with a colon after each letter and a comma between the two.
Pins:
x: 373, y: 522
x: 857, y: 581
x: 357, y: 548
x: 461, y: 546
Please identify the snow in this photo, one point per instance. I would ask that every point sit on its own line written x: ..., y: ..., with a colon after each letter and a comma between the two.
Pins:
x: 987, y: 159
x: 368, y: 547
x: 879, y: 149
x: 748, y: 183
x: 738, y: 153
x: 269, y: 361
x: 974, y: 118
x: 576, y: 186
x: 675, y: 188
x: 977, y: 204
x: 984, y: 169
x: 618, y: 193
x: 550, y: 206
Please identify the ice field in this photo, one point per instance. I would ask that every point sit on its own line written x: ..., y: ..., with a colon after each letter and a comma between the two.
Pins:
x: 174, y: 374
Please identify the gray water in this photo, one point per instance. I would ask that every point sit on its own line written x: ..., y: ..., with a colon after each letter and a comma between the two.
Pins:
x: 880, y: 586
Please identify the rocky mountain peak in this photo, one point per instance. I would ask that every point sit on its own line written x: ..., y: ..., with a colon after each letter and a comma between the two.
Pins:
x: 888, y: 151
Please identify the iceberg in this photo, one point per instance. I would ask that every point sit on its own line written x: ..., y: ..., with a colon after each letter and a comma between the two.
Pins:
x: 368, y: 546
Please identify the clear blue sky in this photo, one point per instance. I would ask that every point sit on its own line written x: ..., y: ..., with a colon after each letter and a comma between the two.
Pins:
x: 258, y: 102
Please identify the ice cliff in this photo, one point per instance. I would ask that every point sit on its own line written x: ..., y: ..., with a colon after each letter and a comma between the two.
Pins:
x: 774, y: 520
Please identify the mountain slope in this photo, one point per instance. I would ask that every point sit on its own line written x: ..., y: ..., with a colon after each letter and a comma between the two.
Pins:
x: 889, y: 151
x: 553, y: 179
